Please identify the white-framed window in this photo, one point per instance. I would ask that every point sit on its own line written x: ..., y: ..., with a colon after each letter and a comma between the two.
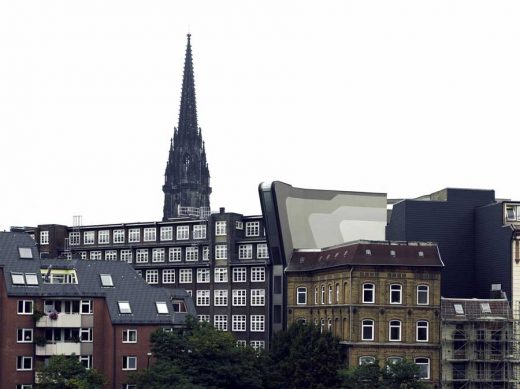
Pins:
x: 192, y: 254
x: 168, y: 276
x: 424, y: 368
x: 141, y: 256
x: 23, y: 363
x: 220, y: 251
x: 134, y: 235
x: 166, y: 233
x: 258, y: 297
x: 150, y: 234
x: 203, y: 297
x: 245, y: 251
x: 423, y: 295
x: 316, y: 296
x: 252, y: 228
x: 257, y: 274
x: 257, y: 344
x: 239, y: 297
x: 129, y: 362
x: 394, y: 360
x: 221, y: 274
x: 367, y: 329
x: 261, y: 251
x: 203, y: 275
x: 25, y: 307
x: 119, y: 236
x: 83, y: 254
x: 322, y: 300
x: 158, y: 255
x: 86, y: 361
x: 239, y: 274
x: 257, y: 323
x: 422, y: 331
x: 337, y: 293
x: 202, y: 318
x: 129, y: 336
x: 74, y: 238
x: 85, y: 335
x: 24, y: 335
x: 330, y: 295
x: 239, y: 225
x: 396, y: 294
x: 126, y: 255
x: 44, y: 237
x: 369, y: 293
x: 220, y: 228
x: 220, y: 322
x: 367, y: 360
x: 95, y: 255
x: 111, y: 255
x: 199, y: 231
x: 221, y: 297
x: 85, y: 307
x: 175, y: 254
x: 205, y: 253
x: 88, y: 237
x: 152, y: 276
x: 394, y: 331
x: 183, y: 232
x: 103, y: 237
x: 185, y: 276
x: 24, y: 386
x: 239, y: 323
x: 301, y: 295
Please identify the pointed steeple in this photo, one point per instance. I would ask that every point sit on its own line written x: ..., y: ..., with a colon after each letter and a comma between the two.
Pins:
x: 188, y: 111
x: 186, y: 187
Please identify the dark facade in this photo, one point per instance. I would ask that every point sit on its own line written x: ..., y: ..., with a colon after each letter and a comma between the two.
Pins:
x: 101, y: 312
x: 447, y: 217
x: 186, y: 187
x: 223, y: 262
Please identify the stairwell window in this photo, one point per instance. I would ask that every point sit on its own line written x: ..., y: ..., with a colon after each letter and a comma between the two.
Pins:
x: 369, y: 293
x: 44, y: 237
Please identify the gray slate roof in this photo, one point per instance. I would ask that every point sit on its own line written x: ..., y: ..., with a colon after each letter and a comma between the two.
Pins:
x: 128, y: 285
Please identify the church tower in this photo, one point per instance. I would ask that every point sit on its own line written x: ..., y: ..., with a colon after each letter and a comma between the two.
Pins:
x: 186, y: 187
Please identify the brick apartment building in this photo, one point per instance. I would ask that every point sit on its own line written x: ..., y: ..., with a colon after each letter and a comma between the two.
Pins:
x: 382, y: 299
x: 102, y: 312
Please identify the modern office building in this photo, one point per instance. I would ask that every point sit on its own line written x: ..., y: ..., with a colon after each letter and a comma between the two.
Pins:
x: 102, y: 312
x: 382, y: 299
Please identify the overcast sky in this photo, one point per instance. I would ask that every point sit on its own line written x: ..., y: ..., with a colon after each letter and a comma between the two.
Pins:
x: 402, y: 97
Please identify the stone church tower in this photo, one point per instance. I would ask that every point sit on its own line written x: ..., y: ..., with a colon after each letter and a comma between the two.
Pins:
x: 186, y: 187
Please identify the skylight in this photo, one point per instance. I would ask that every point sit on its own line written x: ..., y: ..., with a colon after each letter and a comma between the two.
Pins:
x: 31, y: 278
x: 106, y: 280
x: 161, y: 307
x: 368, y: 252
x: 459, y: 310
x: 124, y: 307
x: 421, y: 253
x: 18, y: 278
x: 25, y: 252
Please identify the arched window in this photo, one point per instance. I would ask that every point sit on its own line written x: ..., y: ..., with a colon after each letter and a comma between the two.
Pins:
x: 369, y: 291
x: 424, y: 368
x: 316, y: 296
x: 301, y: 295
x: 323, y: 294
x: 330, y: 294
x: 422, y: 331
x: 337, y: 293
x: 396, y: 294
x: 423, y: 292
x: 367, y: 329
x: 394, y: 331
x: 367, y: 360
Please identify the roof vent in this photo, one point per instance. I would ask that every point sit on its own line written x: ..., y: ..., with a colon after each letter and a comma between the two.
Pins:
x: 368, y: 252
x: 421, y: 253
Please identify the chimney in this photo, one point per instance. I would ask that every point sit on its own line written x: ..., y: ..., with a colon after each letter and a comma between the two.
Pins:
x: 222, y: 210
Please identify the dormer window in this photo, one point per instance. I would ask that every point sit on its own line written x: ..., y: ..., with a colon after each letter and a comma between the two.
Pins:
x: 459, y: 310
x: 485, y: 307
x: 368, y: 252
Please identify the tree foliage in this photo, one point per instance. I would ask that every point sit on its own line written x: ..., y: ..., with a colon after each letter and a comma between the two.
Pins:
x: 67, y: 372
x: 399, y: 375
x: 303, y: 357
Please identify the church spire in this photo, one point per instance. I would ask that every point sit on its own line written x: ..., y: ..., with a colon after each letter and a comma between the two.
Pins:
x: 186, y: 186
x: 188, y: 111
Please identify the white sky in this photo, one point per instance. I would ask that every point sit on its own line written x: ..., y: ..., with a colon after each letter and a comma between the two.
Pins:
x: 402, y: 97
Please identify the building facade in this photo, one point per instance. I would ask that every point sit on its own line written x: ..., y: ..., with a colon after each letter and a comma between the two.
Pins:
x: 102, y: 312
x: 223, y: 262
x: 382, y: 299
x: 186, y: 187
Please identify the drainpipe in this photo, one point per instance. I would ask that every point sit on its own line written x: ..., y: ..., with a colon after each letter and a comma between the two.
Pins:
x: 350, y: 307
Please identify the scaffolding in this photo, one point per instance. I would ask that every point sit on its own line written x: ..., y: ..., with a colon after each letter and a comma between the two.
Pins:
x: 480, y: 344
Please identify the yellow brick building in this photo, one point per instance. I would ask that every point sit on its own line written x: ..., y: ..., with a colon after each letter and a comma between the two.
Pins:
x: 382, y: 299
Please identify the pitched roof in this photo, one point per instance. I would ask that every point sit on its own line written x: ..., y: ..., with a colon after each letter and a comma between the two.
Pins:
x: 368, y: 253
x: 128, y: 285
x: 490, y: 309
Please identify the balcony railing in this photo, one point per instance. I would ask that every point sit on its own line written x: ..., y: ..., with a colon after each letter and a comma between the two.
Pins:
x: 58, y: 348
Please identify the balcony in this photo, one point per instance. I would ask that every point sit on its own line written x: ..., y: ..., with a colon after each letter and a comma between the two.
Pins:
x: 58, y: 348
x: 62, y: 320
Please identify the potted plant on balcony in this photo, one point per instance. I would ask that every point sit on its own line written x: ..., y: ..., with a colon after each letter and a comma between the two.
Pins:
x: 40, y: 340
x: 53, y: 315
